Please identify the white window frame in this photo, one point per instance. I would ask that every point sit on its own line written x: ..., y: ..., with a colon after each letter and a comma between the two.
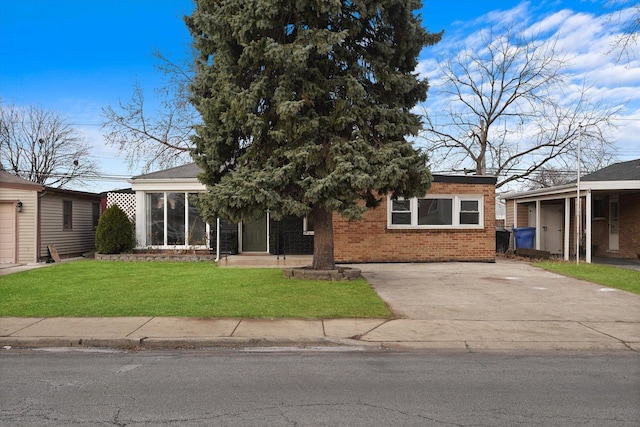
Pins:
x: 305, y: 227
x: 456, y: 209
x: 165, y: 245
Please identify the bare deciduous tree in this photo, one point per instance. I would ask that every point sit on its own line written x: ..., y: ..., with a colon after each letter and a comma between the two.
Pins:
x: 41, y: 146
x: 626, y: 13
x: 158, y: 138
x: 507, y: 112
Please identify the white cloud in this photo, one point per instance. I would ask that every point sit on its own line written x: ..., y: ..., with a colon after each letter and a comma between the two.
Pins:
x: 584, y: 38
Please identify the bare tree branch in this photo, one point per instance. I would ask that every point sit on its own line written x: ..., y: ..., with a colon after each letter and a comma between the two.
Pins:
x: 40, y: 146
x: 508, y: 114
x: 159, y: 138
x: 626, y: 13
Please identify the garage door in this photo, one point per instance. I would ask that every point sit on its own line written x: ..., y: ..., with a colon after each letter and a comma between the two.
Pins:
x: 7, y: 233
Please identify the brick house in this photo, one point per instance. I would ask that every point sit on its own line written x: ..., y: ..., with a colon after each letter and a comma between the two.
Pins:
x: 609, y: 214
x: 454, y: 221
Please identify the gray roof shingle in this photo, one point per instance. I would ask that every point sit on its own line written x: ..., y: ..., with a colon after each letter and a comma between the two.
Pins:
x: 623, y: 171
x: 10, y: 179
x: 190, y: 170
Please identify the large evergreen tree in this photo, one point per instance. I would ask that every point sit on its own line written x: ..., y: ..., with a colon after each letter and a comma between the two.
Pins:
x: 306, y: 107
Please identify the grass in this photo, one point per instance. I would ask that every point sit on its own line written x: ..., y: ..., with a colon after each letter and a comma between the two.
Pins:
x: 613, y: 277
x: 104, y: 289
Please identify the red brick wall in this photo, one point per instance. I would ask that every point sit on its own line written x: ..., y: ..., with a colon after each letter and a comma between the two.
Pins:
x: 369, y: 240
x: 600, y: 233
x: 629, y: 225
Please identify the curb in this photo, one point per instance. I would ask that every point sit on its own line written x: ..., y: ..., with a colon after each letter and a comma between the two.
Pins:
x: 313, y: 343
x: 165, y: 343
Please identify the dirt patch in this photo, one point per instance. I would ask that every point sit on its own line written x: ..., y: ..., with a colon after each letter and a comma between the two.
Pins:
x: 336, y: 275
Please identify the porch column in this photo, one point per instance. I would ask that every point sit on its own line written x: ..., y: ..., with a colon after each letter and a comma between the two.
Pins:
x: 512, y: 237
x: 538, y: 225
x: 141, y: 219
x: 217, y: 239
x: 567, y: 226
x: 588, y: 229
x: 268, y: 231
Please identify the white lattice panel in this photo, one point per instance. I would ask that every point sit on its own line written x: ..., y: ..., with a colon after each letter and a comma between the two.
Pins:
x: 126, y: 201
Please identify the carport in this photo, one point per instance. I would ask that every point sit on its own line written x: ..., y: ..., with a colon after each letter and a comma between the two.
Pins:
x: 607, y: 203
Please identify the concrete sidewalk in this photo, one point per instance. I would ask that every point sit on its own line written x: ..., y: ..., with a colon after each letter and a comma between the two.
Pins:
x: 505, y: 306
x: 397, y: 334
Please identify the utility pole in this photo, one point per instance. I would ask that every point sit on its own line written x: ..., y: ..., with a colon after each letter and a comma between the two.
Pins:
x: 578, y: 204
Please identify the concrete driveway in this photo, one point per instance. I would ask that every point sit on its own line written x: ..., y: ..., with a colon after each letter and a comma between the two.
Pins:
x: 509, y: 301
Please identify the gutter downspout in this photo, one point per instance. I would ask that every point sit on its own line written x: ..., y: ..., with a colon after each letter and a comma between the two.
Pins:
x: 589, y: 214
x: 578, y: 202
x: 39, y: 225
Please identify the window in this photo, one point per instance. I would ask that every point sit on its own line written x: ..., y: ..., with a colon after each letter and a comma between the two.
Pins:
x: 307, y: 226
x: 155, y: 218
x: 599, y: 209
x: 175, y: 218
x: 438, y: 211
x: 67, y: 215
x: 172, y: 220
x: 435, y: 211
x: 469, y: 212
x: 197, y: 234
x: 95, y: 214
x: 401, y: 212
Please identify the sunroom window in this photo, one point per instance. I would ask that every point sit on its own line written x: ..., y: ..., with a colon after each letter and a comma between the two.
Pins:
x: 174, y: 221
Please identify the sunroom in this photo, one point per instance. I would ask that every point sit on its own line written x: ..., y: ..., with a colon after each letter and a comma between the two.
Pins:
x: 166, y: 215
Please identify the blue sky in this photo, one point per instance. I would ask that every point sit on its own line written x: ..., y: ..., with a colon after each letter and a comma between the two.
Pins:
x: 77, y: 56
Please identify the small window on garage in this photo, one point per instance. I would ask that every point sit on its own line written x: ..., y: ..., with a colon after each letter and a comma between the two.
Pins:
x: 67, y: 215
x: 95, y: 214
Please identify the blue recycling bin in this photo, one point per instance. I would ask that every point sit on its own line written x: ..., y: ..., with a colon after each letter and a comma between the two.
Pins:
x: 524, y: 237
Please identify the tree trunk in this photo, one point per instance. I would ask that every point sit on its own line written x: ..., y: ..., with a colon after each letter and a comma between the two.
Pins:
x: 481, y: 163
x: 322, y: 239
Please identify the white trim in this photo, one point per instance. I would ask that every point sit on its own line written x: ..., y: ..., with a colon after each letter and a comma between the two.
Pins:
x: 610, y: 185
x: 588, y: 228
x: 141, y: 220
x: 538, y: 228
x: 567, y: 227
x: 268, y: 231
x: 217, y: 239
x: 170, y: 186
x: 549, y: 193
x: 305, y: 226
x: 455, y: 213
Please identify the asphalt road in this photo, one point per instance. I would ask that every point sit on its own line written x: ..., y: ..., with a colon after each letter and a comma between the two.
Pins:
x: 282, y: 387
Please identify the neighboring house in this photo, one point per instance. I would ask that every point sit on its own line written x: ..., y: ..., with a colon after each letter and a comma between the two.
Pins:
x: 454, y: 221
x: 609, y: 207
x: 33, y: 216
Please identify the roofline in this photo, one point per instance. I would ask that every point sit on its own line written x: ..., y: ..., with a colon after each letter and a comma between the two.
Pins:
x: 142, y: 176
x: 19, y: 186
x: 569, y: 188
x: 540, y: 191
x: 74, y: 193
x: 465, y: 179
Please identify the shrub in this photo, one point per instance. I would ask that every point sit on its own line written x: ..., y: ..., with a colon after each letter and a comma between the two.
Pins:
x: 115, y: 233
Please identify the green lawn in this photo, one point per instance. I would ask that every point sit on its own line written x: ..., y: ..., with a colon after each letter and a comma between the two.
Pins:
x: 93, y: 288
x: 613, y: 277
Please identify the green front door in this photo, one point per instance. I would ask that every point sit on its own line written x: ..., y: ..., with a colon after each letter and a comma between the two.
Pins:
x: 254, y: 235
